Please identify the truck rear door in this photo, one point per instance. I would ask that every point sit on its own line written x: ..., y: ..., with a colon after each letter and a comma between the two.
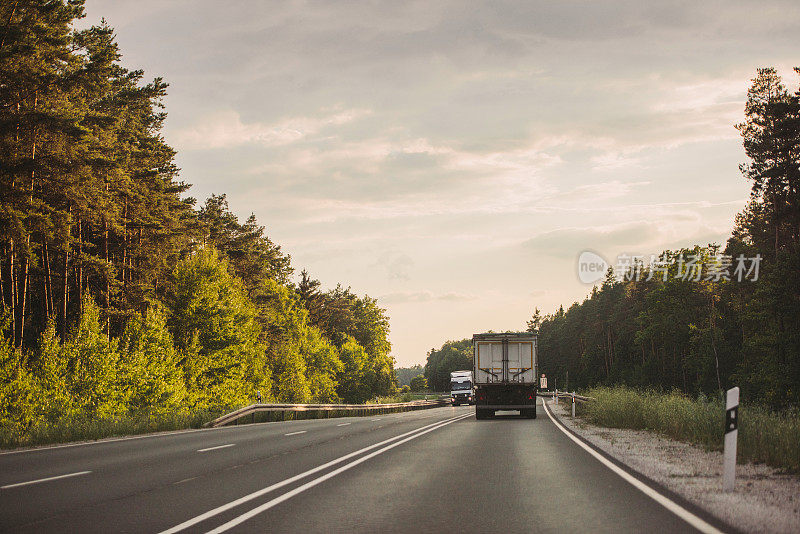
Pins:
x: 505, y: 361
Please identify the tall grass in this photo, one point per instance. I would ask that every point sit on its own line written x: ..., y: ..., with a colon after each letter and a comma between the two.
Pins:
x: 764, y: 436
x: 83, y: 428
x: 403, y: 397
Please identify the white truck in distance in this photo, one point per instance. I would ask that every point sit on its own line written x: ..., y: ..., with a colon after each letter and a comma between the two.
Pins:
x: 505, y: 373
x: 461, y: 391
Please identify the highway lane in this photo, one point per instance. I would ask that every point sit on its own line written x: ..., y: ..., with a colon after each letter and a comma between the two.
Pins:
x: 148, y: 484
x: 437, y: 470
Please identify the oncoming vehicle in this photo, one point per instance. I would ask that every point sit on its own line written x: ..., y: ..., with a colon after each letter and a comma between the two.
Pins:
x: 461, y: 391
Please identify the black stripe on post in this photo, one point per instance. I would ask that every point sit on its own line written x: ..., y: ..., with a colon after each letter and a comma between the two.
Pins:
x: 731, y: 419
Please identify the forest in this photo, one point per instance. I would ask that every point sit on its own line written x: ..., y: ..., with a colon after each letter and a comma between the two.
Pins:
x: 701, y: 319
x: 120, y: 294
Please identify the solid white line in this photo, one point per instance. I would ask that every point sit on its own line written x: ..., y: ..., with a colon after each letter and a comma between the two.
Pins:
x: 44, y: 480
x: 225, y: 507
x: 343, y: 424
x: 217, y: 447
x: 664, y: 501
x: 295, y: 433
x: 289, y: 494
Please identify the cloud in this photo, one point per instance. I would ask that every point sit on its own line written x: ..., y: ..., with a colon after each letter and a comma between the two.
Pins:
x: 396, y: 266
x: 568, y: 242
x: 225, y: 129
x: 424, y: 296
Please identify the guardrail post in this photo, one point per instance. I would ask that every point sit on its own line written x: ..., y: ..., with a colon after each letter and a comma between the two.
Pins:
x: 731, y: 434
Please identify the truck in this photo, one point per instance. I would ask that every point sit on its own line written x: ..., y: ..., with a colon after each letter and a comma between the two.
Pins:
x: 461, y: 391
x: 505, y: 367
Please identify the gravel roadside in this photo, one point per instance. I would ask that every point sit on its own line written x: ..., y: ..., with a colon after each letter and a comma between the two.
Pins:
x: 765, y: 500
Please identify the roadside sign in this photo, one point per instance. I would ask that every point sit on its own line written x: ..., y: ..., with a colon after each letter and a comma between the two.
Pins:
x: 543, y: 382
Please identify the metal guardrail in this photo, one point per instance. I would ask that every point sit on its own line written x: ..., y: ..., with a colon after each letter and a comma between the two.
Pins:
x: 564, y: 395
x: 353, y: 409
x: 574, y: 397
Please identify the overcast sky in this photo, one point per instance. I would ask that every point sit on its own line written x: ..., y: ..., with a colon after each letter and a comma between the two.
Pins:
x: 453, y: 159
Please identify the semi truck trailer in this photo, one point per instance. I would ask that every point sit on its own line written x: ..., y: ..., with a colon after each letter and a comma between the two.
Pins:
x: 505, y: 373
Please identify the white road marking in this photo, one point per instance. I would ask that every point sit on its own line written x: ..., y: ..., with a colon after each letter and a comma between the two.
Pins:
x: 343, y: 424
x: 295, y: 433
x: 217, y: 447
x: 378, y: 419
x: 225, y: 507
x: 110, y: 440
x: 48, y: 479
x: 289, y: 494
x: 128, y: 438
x: 664, y: 501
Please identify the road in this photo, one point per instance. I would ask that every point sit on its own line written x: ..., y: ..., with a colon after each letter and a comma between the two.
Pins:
x: 436, y: 470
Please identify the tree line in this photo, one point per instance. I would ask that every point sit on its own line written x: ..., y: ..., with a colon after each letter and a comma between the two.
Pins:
x: 659, y: 325
x: 117, y: 293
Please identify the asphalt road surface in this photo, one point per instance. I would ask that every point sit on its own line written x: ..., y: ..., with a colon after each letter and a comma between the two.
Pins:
x: 437, y: 470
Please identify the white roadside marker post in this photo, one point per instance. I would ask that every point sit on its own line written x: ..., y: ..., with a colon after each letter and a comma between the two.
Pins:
x: 573, y: 404
x: 731, y: 433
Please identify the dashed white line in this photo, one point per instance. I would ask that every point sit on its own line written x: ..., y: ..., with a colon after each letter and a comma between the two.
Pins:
x: 215, y: 448
x: 295, y: 433
x: 343, y: 424
x: 48, y: 479
x: 378, y: 419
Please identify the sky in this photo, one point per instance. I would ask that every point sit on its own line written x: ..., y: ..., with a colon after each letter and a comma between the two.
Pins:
x: 453, y: 159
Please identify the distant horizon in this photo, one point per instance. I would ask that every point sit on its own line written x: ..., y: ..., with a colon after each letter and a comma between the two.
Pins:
x: 453, y: 163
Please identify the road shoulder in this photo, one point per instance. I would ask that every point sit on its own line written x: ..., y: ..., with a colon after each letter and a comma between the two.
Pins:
x: 765, y: 500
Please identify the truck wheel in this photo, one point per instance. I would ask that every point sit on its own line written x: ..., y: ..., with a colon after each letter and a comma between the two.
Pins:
x: 530, y: 413
x: 481, y: 413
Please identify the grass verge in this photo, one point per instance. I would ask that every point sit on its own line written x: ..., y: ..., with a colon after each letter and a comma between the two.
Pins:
x: 764, y: 436
x: 84, y: 428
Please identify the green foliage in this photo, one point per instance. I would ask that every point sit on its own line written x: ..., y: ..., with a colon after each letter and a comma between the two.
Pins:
x: 346, y: 319
x: 419, y: 383
x: 453, y: 356
x: 216, y: 332
x: 764, y: 436
x: 357, y: 375
x: 322, y: 365
x: 18, y: 390
x: 405, y: 374
x: 93, y: 367
x: 286, y: 340
x: 149, y: 366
